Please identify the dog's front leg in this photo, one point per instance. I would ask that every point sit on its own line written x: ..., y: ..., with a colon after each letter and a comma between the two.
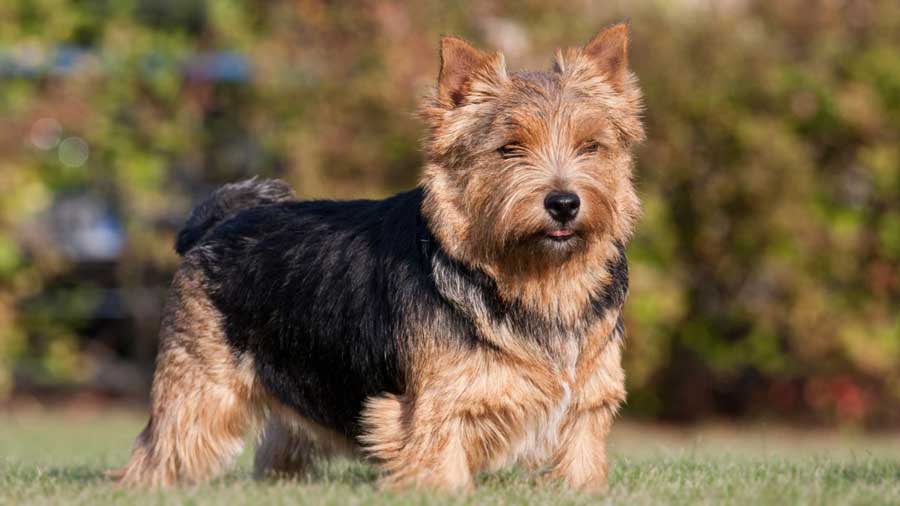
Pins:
x: 461, y: 418
x: 581, y: 458
x: 419, y: 442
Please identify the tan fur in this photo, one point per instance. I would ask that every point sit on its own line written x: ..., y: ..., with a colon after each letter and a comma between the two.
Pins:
x: 289, y: 444
x: 477, y: 222
x: 549, y: 405
x: 203, y: 401
x: 479, y: 410
x: 547, y: 401
x: 283, y: 451
x: 600, y: 386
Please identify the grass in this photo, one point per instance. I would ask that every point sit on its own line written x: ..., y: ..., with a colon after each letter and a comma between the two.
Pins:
x: 52, y: 458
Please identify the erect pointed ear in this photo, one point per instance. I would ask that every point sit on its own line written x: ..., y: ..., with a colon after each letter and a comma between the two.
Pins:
x: 460, y: 64
x: 609, y: 51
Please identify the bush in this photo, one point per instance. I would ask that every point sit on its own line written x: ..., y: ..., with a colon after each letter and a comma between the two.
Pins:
x: 765, y: 274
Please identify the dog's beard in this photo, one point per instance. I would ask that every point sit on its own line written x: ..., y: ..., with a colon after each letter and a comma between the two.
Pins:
x: 538, y: 248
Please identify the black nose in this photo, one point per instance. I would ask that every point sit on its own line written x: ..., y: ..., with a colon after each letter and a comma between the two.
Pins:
x: 562, y: 206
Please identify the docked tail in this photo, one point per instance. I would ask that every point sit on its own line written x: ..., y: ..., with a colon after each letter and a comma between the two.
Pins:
x: 227, y: 201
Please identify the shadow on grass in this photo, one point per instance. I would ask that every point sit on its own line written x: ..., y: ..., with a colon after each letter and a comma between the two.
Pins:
x: 82, y: 474
x: 870, y: 473
x: 343, y: 471
x: 336, y: 472
x: 359, y: 473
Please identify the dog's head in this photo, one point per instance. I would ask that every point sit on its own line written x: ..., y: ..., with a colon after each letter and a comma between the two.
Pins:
x: 532, y: 167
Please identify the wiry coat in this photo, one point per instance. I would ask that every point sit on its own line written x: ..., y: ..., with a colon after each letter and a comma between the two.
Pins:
x: 332, y: 300
x: 441, y: 330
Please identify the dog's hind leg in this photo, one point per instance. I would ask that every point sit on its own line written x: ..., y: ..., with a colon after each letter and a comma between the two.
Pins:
x: 283, y: 451
x: 204, y: 398
x: 290, y: 444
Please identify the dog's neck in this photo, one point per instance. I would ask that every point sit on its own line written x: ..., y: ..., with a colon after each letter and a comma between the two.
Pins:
x: 561, y: 296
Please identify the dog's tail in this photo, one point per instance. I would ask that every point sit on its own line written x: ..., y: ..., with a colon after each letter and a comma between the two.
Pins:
x: 226, y: 202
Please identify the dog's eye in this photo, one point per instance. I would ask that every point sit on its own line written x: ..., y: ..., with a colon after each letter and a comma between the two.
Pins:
x: 589, y: 148
x: 511, y: 150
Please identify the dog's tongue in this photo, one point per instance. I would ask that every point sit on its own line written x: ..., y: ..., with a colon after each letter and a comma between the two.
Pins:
x: 560, y: 232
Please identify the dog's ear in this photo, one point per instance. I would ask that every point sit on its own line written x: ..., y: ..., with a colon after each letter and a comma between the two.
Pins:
x: 462, y: 65
x: 609, y: 51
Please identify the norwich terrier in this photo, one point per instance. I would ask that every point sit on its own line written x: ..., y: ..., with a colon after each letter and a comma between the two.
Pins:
x: 470, y: 323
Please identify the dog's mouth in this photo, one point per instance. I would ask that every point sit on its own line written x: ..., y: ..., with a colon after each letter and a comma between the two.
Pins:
x: 562, y: 234
x: 556, y: 238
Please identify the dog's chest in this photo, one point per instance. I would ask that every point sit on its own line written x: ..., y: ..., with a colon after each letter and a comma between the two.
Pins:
x: 541, y: 432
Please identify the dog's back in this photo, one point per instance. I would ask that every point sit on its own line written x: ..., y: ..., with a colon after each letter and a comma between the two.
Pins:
x: 314, y: 292
x: 282, y: 307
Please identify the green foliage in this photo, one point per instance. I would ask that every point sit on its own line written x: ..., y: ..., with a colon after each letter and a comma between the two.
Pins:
x: 765, y: 270
x: 773, y: 143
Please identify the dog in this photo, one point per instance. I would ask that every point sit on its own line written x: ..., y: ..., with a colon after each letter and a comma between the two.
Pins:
x: 468, y: 324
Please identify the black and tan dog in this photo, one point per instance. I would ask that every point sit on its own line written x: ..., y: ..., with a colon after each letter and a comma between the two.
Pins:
x: 470, y: 323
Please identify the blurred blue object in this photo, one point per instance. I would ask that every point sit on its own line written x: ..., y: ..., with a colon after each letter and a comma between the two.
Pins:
x: 87, y: 229
x: 224, y: 66
x: 30, y: 61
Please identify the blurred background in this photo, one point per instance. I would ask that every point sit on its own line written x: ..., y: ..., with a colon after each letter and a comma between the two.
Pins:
x: 765, y: 272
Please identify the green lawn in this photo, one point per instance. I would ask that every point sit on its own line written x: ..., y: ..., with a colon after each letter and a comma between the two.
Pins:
x: 60, y: 459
